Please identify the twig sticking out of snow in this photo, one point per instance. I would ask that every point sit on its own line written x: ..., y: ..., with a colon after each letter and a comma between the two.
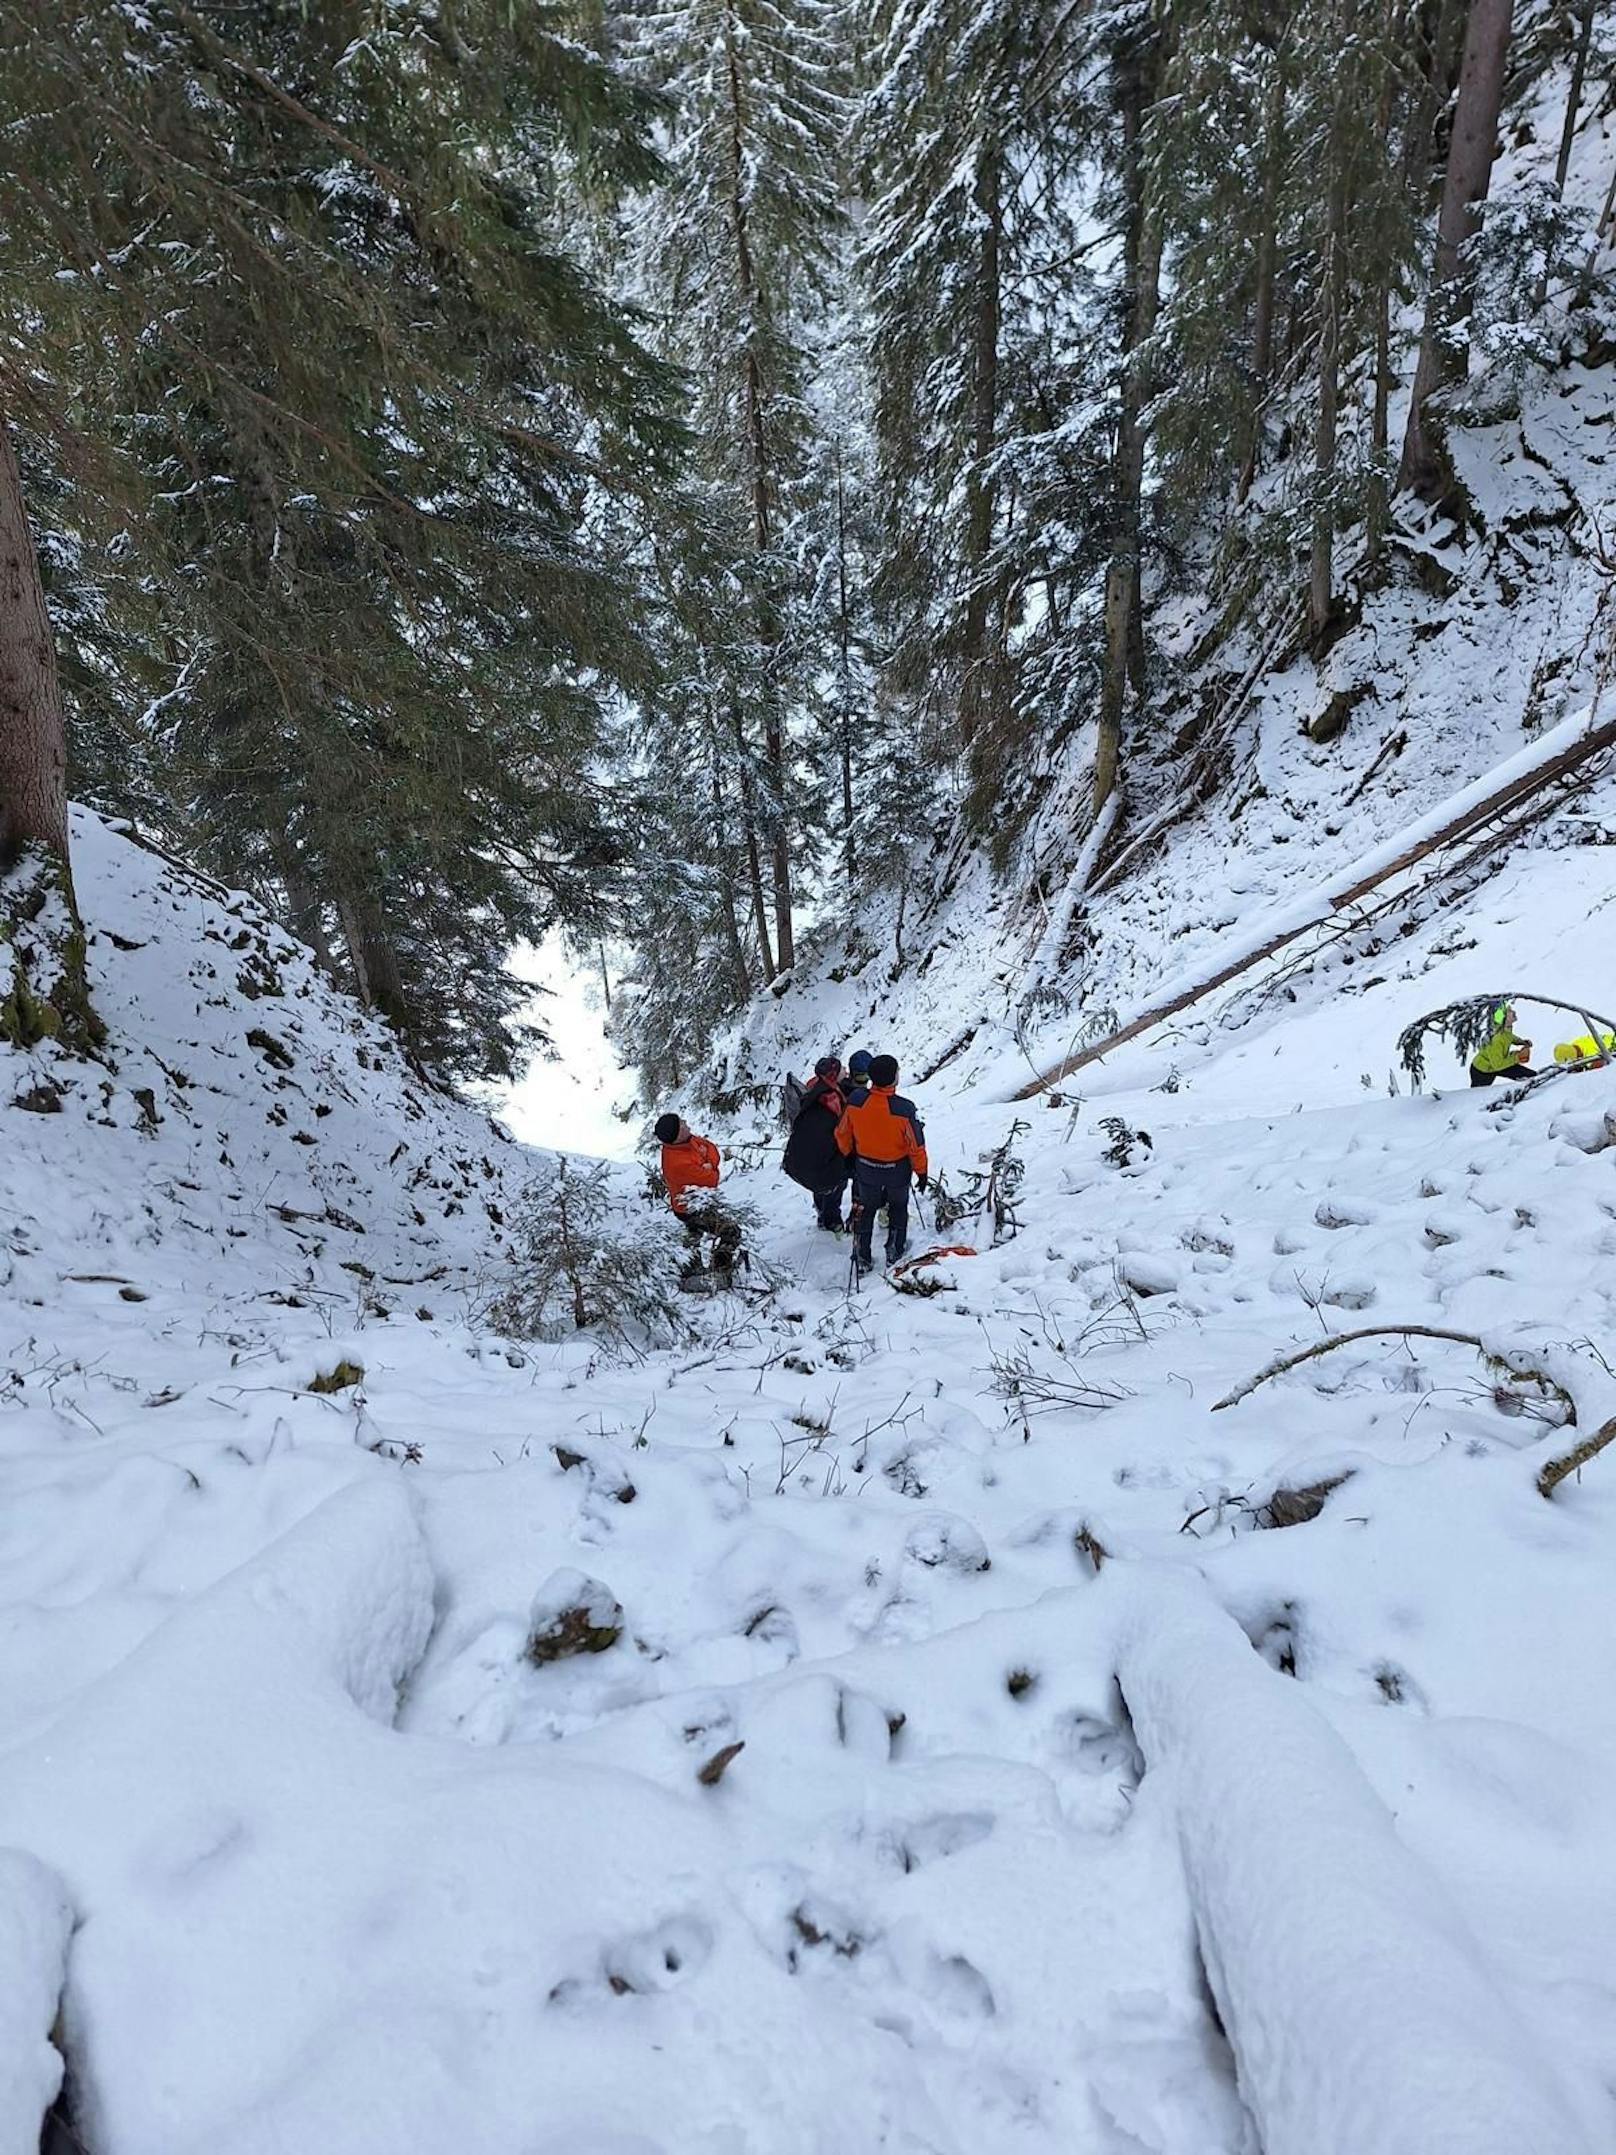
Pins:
x: 1281, y: 1363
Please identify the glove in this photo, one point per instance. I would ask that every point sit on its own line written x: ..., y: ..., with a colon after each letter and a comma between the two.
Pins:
x: 924, y: 1181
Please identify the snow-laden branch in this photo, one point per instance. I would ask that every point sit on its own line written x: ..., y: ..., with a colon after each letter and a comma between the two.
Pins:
x: 35, y: 1920
x: 1363, y: 2017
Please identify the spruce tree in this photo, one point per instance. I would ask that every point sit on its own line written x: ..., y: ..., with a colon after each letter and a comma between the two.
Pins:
x: 972, y: 136
x: 734, y: 257
x: 351, y: 399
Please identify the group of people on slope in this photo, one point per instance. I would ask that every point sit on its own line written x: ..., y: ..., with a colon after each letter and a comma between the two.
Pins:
x: 854, y: 1131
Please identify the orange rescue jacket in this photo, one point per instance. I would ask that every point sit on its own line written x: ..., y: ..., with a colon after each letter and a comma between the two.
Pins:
x: 692, y: 1165
x: 882, y: 1128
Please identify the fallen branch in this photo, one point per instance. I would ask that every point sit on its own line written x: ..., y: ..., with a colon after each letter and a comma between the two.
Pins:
x: 1577, y: 1458
x: 1283, y: 1362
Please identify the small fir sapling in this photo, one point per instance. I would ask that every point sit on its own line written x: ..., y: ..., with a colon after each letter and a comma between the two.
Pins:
x: 584, y: 1258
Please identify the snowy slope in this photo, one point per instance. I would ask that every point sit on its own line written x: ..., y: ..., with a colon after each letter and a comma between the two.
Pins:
x: 349, y: 1870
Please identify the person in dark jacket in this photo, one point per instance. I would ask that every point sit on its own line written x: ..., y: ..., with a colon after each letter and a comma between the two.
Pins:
x: 811, y: 1154
x: 881, y: 1135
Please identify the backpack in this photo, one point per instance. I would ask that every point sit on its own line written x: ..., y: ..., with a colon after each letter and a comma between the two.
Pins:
x: 792, y: 1095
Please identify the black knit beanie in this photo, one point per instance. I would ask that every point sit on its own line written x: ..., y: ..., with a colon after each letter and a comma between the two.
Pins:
x: 667, y: 1129
x: 884, y: 1070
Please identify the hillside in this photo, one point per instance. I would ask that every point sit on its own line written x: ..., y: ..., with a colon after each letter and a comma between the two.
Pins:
x: 336, y: 1861
x: 1261, y: 757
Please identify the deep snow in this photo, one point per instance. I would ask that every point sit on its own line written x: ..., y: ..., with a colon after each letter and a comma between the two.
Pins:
x: 349, y: 1870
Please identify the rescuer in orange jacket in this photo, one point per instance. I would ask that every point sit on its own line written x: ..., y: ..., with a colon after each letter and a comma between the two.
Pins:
x: 882, y: 1136
x: 690, y: 1166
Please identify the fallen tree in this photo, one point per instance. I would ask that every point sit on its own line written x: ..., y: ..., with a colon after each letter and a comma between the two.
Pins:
x: 1361, y: 2011
x: 35, y: 1923
x: 1497, y: 799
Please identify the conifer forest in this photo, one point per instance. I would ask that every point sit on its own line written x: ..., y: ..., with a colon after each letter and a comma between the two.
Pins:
x: 673, y: 472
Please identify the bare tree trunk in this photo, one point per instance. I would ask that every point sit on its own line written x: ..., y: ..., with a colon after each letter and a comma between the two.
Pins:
x: 740, y: 977
x: 976, y: 693
x: 1377, y: 508
x: 349, y: 918
x: 749, y: 835
x: 1378, y: 516
x: 33, y: 730
x: 845, y: 689
x: 1321, y: 582
x: 303, y: 909
x: 48, y: 993
x: 785, y: 942
x: 1579, y: 71
x: 375, y: 962
x: 605, y: 977
x: 756, y: 450
x: 1568, y: 127
x: 1262, y: 306
x: 1585, y: 282
x: 1136, y: 67
x: 1443, y: 356
x: 1434, y: 61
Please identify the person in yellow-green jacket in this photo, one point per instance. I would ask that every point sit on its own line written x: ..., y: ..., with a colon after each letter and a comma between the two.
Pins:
x: 1503, y: 1053
x: 1588, y: 1048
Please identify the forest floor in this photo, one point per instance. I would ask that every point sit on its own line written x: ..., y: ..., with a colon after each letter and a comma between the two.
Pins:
x: 931, y: 1775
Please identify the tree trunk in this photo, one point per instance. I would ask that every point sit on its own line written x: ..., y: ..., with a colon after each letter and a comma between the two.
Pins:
x: 749, y: 833
x: 1579, y: 71
x: 1434, y: 61
x: 845, y: 688
x: 785, y: 943
x: 303, y: 910
x: 1585, y: 282
x: 976, y: 695
x: 1377, y: 506
x: 741, y: 979
x: 1321, y: 583
x: 1136, y: 66
x: 47, y: 995
x: 755, y: 448
x: 33, y: 730
x: 1378, y: 515
x: 1443, y: 354
x: 1262, y: 308
x: 1568, y: 127
x: 375, y: 962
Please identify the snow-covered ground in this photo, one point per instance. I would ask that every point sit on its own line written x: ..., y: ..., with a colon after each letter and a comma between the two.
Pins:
x: 930, y: 1797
